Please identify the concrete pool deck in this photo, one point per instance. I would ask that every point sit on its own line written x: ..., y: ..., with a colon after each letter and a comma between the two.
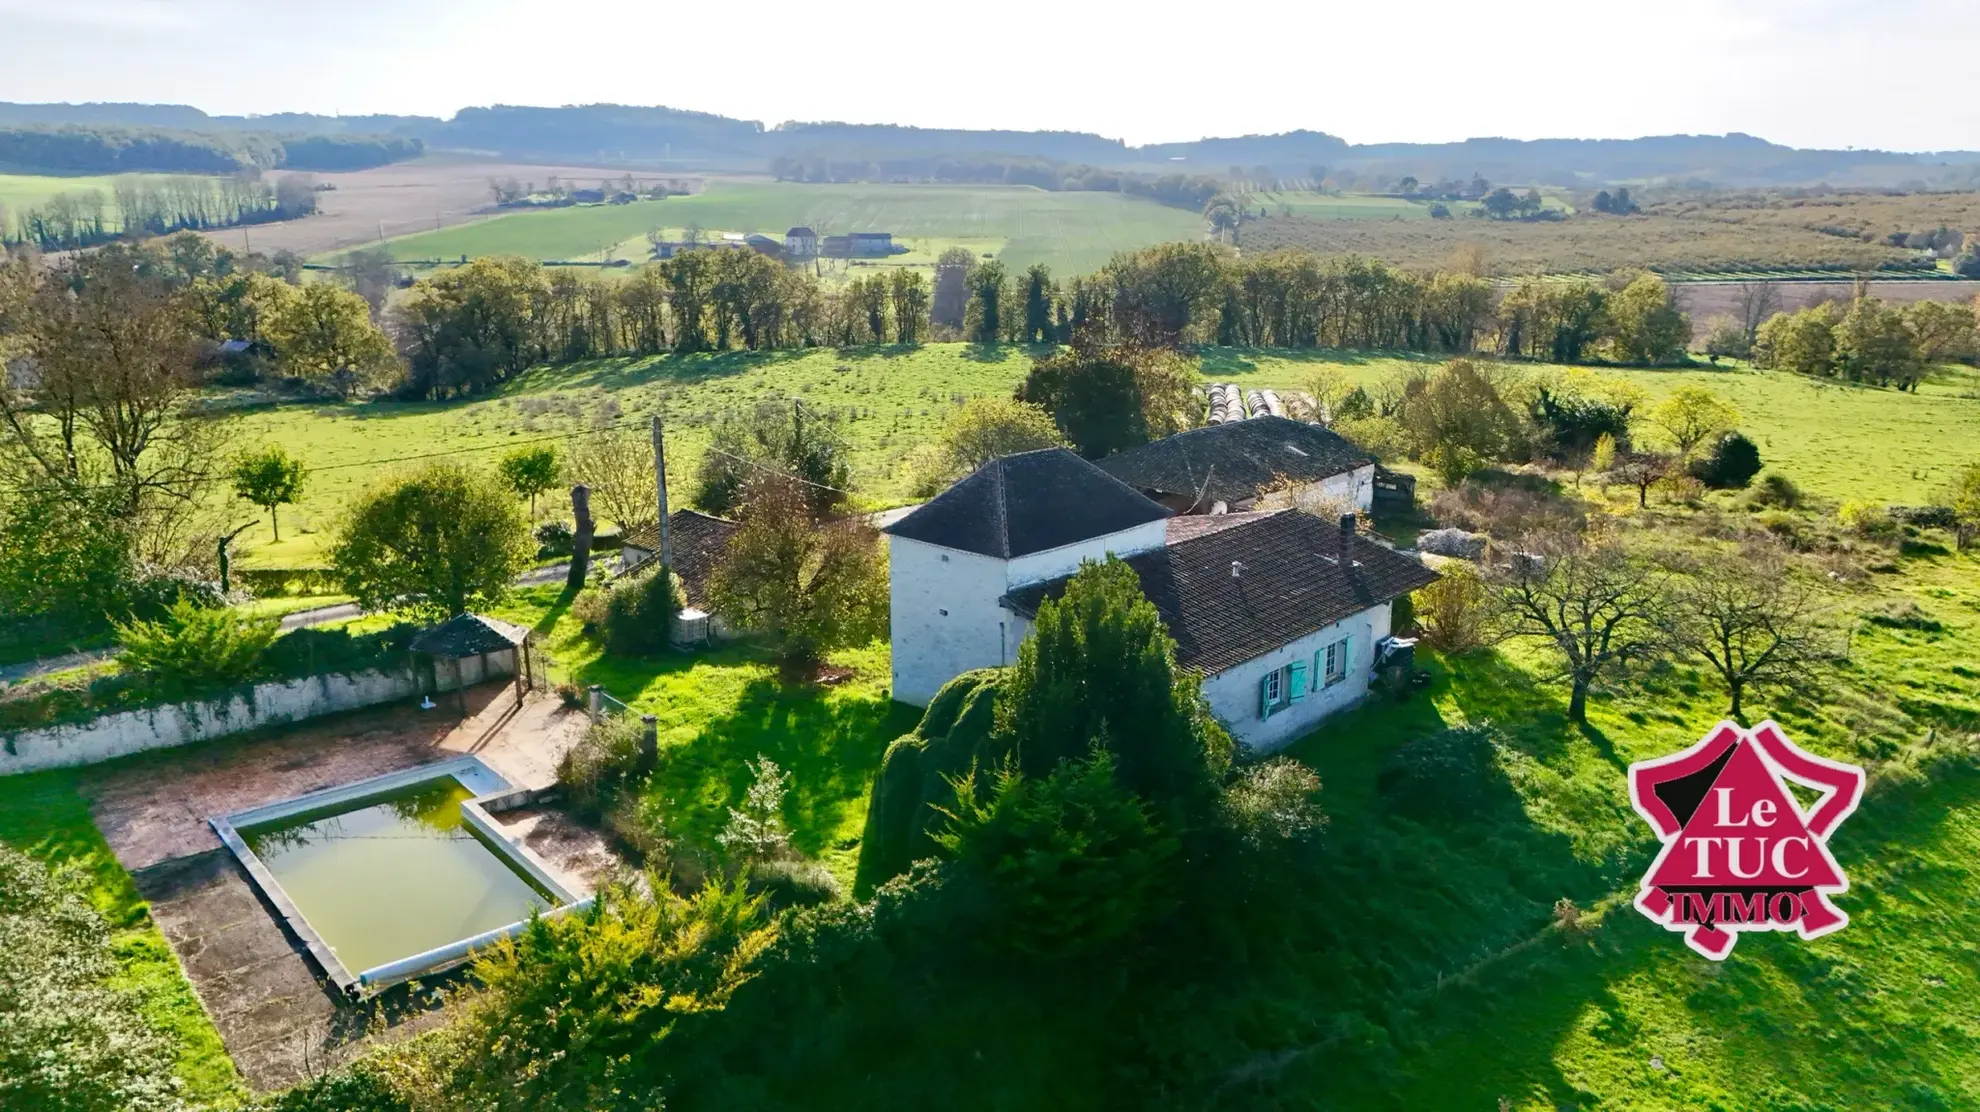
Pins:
x: 281, y: 1020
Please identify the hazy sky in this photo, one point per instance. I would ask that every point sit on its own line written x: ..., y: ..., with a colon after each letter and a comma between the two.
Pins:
x: 1870, y: 73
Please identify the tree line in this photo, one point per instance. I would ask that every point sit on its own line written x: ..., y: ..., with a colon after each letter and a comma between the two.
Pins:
x: 1190, y: 191
x: 156, y: 205
x: 473, y: 327
x: 117, y: 150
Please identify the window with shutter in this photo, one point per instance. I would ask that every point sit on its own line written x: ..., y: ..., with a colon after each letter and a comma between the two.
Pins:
x: 1296, y: 681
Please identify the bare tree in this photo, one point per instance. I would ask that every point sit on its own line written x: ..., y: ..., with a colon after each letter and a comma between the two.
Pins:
x: 102, y: 391
x: 618, y: 467
x: 1758, y: 302
x: 1594, y: 601
x: 372, y: 274
x: 1642, y: 470
x: 1750, y: 619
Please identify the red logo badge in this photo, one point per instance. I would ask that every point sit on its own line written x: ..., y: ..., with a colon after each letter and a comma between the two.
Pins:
x: 1740, y: 853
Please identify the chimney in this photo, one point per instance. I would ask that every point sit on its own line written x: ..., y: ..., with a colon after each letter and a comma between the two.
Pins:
x: 1347, y: 536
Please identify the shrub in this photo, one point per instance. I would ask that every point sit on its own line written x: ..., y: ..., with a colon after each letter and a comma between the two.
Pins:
x: 602, y: 766
x: 1926, y: 517
x: 69, y: 1040
x: 1273, y: 802
x: 1455, y: 612
x: 192, y: 647
x: 1506, y: 505
x: 756, y: 830
x: 1866, y: 519
x: 1774, y: 491
x: 1731, y: 465
x: 793, y: 882
x: 314, y: 649
x: 589, y: 608
x: 554, y: 539
x: 1445, y: 774
x: 953, y: 736
x: 1452, y: 462
x: 639, y: 616
x: 1073, y: 861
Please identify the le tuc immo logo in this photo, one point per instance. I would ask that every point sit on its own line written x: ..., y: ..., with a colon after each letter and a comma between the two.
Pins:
x: 1740, y: 852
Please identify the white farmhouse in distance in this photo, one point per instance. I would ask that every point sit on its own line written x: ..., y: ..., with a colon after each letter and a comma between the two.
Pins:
x: 1280, y: 611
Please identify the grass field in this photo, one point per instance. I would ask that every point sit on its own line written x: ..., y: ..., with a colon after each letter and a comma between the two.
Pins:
x: 1837, y: 441
x: 20, y: 192
x: 1073, y: 233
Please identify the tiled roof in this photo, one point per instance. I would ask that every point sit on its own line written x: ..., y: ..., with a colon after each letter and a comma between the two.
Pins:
x: 1291, y: 582
x: 1232, y: 461
x: 699, y: 543
x: 468, y: 635
x: 1025, y: 503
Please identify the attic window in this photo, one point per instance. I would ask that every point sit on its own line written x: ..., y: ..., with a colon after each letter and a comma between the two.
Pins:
x: 945, y: 557
x: 944, y: 613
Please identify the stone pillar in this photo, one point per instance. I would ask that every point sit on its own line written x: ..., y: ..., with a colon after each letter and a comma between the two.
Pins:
x: 597, y: 705
x: 649, y: 742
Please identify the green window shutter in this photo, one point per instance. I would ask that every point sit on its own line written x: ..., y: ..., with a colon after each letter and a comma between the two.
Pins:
x: 1347, y: 656
x: 1264, y: 697
x: 1298, y: 670
x: 1320, y: 666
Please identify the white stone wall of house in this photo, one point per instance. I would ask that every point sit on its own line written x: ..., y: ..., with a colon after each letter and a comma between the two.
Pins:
x: 1235, y: 694
x: 944, y: 614
x: 1052, y: 563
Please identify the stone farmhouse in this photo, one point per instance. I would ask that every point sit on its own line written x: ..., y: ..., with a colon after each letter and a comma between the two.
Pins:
x: 1281, y: 611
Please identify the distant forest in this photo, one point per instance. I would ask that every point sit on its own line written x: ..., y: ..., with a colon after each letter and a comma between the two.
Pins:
x: 118, y: 149
x: 672, y: 138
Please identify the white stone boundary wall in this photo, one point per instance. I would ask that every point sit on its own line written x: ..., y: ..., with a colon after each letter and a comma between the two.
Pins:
x: 73, y: 744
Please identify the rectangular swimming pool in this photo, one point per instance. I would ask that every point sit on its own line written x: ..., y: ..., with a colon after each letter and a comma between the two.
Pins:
x: 393, y: 877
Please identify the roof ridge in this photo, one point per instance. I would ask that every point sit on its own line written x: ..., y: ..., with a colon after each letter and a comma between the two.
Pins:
x: 1002, y: 484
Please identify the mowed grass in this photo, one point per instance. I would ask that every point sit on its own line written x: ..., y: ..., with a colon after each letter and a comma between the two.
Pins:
x: 1073, y: 233
x: 1838, y: 441
x: 46, y: 815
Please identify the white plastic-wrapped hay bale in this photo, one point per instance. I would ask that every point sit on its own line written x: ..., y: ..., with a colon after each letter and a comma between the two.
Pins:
x: 1273, y: 405
x: 1225, y: 405
x: 1301, y: 406
x: 1254, y: 400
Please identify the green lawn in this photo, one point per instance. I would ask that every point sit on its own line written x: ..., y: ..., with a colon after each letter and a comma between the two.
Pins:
x: 47, y: 815
x: 1837, y: 441
x: 1073, y: 233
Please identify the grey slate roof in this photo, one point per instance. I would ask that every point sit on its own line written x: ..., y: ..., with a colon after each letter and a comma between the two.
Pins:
x: 469, y: 635
x: 1025, y: 503
x: 1232, y: 461
x: 1291, y: 583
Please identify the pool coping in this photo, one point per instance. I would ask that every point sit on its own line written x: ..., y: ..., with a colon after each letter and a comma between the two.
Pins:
x: 494, y: 794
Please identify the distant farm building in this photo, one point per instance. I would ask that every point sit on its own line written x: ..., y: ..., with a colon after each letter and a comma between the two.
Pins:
x: 857, y: 245
x: 588, y: 196
x: 764, y: 245
x: 800, y: 243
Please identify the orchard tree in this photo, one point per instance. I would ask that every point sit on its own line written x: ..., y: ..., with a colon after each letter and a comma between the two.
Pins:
x: 530, y: 472
x: 1595, y: 602
x: 807, y: 587
x: 1964, y: 498
x: 436, y: 542
x: 269, y: 477
x: 1751, y: 620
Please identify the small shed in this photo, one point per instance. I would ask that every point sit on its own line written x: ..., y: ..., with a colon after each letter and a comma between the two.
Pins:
x: 473, y: 645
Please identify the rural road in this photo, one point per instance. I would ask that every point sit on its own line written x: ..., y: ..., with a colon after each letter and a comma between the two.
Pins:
x: 324, y: 615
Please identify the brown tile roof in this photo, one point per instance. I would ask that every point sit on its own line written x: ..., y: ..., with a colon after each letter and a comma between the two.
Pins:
x: 1291, y: 583
x: 699, y: 543
x: 1232, y: 461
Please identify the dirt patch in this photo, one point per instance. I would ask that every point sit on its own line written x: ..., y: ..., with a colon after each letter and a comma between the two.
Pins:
x: 578, y: 854
x: 416, y: 196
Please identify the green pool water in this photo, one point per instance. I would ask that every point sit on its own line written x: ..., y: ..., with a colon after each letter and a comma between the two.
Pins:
x: 384, y: 878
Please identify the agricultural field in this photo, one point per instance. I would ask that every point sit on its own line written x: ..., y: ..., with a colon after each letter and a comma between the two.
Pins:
x: 1073, y: 233
x: 21, y: 192
x: 1838, y: 441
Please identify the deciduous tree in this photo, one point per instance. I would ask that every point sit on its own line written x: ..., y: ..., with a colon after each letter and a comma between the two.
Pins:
x: 1596, y: 603
x: 807, y: 587
x: 531, y: 471
x: 269, y: 477
x: 436, y: 542
x: 1691, y: 416
x: 1751, y: 619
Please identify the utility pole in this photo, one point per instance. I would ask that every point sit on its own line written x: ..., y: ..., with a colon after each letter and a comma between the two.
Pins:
x: 660, y: 482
